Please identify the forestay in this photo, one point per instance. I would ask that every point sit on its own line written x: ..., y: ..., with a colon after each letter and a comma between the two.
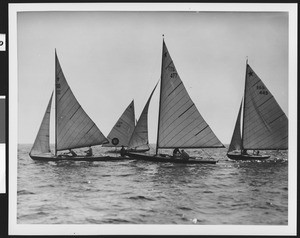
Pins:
x: 180, y: 123
x: 140, y: 134
x: 41, y: 143
x: 236, y: 140
x: 123, y: 128
x: 74, y: 128
x: 265, y: 124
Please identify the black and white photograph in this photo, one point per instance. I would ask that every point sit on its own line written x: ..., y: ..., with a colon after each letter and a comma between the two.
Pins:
x: 151, y: 119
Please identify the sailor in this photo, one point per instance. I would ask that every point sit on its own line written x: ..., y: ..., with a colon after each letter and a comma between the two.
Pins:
x: 72, y: 152
x: 184, y: 155
x: 244, y: 152
x: 89, y: 152
x: 176, y: 152
x: 122, y: 151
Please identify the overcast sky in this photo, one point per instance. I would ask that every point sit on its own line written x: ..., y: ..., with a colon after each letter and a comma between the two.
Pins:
x: 110, y: 58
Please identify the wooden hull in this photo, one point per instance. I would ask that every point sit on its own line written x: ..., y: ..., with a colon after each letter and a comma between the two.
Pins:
x: 247, y: 157
x: 168, y: 159
x: 77, y: 158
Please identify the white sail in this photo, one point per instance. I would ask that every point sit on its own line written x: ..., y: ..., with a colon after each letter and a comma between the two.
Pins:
x: 265, y: 124
x: 139, y: 136
x: 41, y: 144
x: 180, y: 123
x: 123, y: 129
x: 236, y: 140
x: 74, y: 128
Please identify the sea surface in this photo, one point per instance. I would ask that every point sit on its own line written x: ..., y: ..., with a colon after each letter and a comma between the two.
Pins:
x: 140, y: 192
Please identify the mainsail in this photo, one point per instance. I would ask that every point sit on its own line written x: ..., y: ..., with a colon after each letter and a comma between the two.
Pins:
x: 140, y: 134
x: 236, y: 141
x: 74, y: 128
x: 41, y: 144
x: 265, y: 125
x: 180, y: 123
x: 123, y: 128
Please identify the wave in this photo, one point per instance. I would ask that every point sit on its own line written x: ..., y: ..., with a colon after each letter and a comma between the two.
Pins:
x: 141, y: 198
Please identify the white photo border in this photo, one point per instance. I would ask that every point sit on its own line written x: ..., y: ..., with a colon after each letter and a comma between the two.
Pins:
x: 32, y: 229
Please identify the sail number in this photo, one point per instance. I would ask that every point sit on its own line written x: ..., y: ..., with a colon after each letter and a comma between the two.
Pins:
x: 173, y: 75
x: 58, y: 88
x: 262, y: 89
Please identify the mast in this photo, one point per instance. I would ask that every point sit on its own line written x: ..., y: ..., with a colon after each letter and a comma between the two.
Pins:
x: 55, y: 105
x: 161, y: 72
x: 242, y: 144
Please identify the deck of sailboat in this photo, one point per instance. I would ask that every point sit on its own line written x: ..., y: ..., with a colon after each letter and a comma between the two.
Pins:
x: 239, y: 156
x: 78, y: 158
x: 168, y: 159
x: 117, y: 151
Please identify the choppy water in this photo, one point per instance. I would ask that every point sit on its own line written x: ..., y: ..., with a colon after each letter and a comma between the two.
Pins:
x: 139, y: 192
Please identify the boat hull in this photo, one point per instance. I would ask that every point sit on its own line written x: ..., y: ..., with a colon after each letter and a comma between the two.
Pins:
x: 247, y: 157
x: 77, y: 158
x: 167, y: 159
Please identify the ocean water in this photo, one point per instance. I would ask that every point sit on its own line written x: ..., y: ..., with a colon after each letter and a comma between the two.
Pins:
x: 140, y: 192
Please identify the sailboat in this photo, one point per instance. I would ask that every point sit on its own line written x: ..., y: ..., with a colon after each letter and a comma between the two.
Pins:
x: 180, y: 125
x: 139, y: 141
x: 264, y: 124
x: 73, y: 127
x: 121, y: 132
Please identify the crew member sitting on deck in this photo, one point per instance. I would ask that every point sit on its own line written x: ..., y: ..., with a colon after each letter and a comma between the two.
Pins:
x: 176, y: 152
x: 72, y: 152
x: 122, y: 151
x: 89, y: 152
x: 244, y: 152
x: 184, y: 155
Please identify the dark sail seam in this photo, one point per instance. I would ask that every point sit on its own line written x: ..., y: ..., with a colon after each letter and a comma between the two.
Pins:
x: 186, y: 110
x: 262, y: 143
x: 170, y: 108
x: 265, y: 101
x: 180, y: 138
x: 75, y: 112
x: 83, y: 136
x: 174, y: 89
x: 256, y: 83
x: 166, y: 101
x: 180, y: 130
x: 277, y: 118
x: 201, y: 130
x: 169, y: 64
x: 169, y: 124
x: 64, y: 94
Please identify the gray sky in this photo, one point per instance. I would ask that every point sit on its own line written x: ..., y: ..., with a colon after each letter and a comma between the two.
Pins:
x: 110, y: 58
